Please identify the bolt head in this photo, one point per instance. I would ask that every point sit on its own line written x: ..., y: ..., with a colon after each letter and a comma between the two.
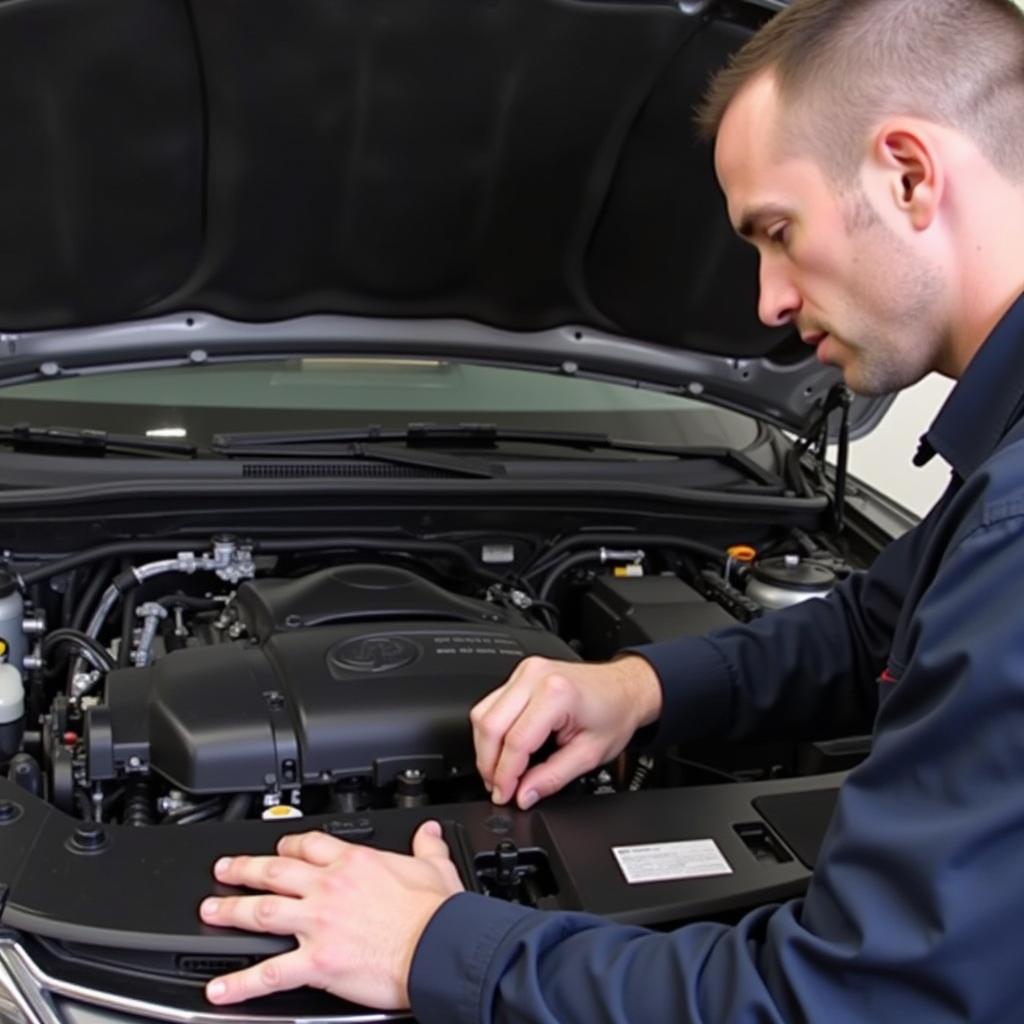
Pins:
x: 89, y: 836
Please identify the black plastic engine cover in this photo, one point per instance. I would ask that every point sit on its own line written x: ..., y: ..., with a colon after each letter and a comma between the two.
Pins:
x: 356, y: 593
x: 308, y: 706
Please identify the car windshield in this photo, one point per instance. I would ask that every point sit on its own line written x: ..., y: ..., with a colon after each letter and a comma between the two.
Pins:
x: 195, y: 403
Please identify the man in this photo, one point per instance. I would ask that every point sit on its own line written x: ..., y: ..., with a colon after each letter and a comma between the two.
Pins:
x: 873, y: 152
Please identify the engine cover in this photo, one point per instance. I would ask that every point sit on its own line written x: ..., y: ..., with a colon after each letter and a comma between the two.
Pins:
x: 308, y: 706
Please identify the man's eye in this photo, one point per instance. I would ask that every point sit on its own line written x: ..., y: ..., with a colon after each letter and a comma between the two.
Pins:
x: 779, y: 235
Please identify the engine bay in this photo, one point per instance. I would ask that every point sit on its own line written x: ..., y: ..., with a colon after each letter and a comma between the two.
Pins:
x: 254, y: 679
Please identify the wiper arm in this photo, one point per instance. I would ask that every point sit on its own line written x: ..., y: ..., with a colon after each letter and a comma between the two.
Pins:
x: 236, y: 443
x: 55, y: 440
x: 486, y: 435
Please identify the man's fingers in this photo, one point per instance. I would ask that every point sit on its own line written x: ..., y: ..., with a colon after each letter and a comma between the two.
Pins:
x: 278, y: 915
x: 546, y: 713
x: 279, y: 973
x: 313, y: 847
x: 490, y: 727
x: 284, y: 875
x: 576, y: 758
x: 427, y: 842
x: 477, y: 713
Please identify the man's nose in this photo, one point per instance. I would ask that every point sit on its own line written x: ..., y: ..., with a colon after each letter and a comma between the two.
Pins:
x: 779, y: 300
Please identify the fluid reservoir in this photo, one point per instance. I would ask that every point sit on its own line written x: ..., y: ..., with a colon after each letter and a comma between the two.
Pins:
x: 12, y: 712
x: 12, y: 619
x: 788, y: 580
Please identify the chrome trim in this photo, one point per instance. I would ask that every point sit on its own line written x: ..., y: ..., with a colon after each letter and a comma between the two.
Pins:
x: 31, y: 989
x: 33, y: 1005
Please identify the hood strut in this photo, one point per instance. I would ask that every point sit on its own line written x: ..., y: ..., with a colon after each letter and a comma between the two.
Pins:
x: 815, y: 436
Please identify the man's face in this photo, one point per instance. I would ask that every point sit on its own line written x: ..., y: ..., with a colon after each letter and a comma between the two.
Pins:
x: 830, y: 265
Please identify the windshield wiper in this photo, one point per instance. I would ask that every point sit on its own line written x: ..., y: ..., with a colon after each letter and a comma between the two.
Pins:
x: 76, y: 441
x: 482, y: 435
x: 344, y: 444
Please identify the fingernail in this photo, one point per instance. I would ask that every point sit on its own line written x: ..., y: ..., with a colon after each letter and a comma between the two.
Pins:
x: 222, y: 865
x: 216, y: 989
x: 496, y: 795
x: 488, y: 787
x: 210, y: 907
x: 529, y: 799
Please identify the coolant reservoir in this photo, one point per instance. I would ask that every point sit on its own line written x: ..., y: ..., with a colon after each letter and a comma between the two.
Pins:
x: 12, y: 711
x: 12, y: 615
x: 788, y: 580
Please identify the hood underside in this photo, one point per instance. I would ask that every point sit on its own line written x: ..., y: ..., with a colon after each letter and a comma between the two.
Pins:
x: 520, y: 164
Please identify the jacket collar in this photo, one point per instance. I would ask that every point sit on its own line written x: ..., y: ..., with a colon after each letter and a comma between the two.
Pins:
x: 986, y: 402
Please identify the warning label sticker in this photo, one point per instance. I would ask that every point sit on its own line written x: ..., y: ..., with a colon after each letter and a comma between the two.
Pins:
x: 667, y: 862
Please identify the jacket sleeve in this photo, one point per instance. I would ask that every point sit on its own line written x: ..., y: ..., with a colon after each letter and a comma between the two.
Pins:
x: 914, y: 910
x: 807, y: 670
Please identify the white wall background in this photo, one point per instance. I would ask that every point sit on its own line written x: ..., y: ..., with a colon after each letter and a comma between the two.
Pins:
x: 883, y: 458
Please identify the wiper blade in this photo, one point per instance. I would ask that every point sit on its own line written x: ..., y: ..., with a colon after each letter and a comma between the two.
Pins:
x: 233, y: 443
x: 56, y: 440
x: 486, y: 435
x: 431, y: 435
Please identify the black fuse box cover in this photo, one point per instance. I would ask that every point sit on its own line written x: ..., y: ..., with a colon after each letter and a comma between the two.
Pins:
x: 620, y: 613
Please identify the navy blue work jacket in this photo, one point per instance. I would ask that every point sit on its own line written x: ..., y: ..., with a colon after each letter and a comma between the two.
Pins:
x: 915, y: 912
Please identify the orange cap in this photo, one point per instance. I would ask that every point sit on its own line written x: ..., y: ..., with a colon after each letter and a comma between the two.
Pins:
x: 742, y: 552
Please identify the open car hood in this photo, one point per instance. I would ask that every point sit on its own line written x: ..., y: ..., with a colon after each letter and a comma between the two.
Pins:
x: 499, y: 180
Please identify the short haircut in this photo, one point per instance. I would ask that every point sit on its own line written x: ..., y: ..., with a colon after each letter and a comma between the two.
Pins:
x: 844, y: 65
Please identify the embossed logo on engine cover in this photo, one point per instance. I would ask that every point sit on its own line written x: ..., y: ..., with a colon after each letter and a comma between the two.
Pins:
x: 379, y: 653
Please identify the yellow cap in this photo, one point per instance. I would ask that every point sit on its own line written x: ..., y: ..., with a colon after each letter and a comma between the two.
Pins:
x: 281, y: 812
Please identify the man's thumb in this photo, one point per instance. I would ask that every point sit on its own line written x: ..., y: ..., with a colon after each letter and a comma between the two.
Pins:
x: 427, y: 842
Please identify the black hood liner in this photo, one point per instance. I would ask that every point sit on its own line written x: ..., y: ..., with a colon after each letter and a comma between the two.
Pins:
x: 522, y: 163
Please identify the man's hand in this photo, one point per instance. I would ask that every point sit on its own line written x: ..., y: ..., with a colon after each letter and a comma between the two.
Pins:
x: 593, y: 711
x: 357, y: 913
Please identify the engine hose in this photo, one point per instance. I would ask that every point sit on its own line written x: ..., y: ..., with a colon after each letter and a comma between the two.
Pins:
x: 580, y: 558
x: 193, y: 604
x: 283, y: 545
x: 139, y: 806
x: 200, y: 812
x: 602, y: 555
x: 105, y: 551
x: 92, y: 593
x: 69, y: 598
x: 128, y: 605
x: 238, y: 807
x: 91, y: 649
x: 647, y: 540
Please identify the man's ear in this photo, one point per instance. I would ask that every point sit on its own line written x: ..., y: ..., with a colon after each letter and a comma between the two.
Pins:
x: 914, y: 176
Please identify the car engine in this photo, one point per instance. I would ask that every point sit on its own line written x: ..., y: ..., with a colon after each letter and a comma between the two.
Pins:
x: 261, y: 679
x: 358, y: 672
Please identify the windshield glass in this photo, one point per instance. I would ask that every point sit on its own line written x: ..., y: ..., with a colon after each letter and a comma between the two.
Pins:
x: 194, y: 403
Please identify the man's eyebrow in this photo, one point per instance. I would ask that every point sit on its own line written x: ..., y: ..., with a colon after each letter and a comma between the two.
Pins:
x: 754, y: 217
